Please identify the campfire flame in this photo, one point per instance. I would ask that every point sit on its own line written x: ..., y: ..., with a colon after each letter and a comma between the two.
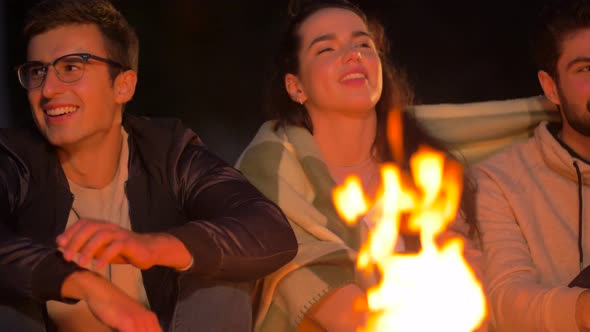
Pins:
x: 434, y: 289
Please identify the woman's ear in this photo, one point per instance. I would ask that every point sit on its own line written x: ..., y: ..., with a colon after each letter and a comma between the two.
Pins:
x: 294, y: 89
x: 549, y: 86
x: 124, y: 86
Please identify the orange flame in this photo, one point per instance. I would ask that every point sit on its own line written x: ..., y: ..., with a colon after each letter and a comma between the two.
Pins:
x: 435, y: 289
x: 351, y: 200
x: 395, y: 132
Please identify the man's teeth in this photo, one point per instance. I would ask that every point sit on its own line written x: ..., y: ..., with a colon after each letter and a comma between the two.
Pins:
x: 353, y: 76
x: 60, y: 110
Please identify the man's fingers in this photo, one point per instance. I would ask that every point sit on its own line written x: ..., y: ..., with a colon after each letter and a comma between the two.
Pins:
x: 114, y: 249
x: 81, y: 231
x: 105, y: 242
x: 63, y: 239
x: 149, y: 323
x: 142, y: 320
x: 76, y: 239
x: 96, y: 244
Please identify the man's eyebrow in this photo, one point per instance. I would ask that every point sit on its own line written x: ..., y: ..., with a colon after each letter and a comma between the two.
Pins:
x: 331, y: 36
x: 34, y: 62
x: 576, y: 61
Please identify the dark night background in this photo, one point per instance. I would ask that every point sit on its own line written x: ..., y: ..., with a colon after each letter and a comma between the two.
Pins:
x: 206, y: 61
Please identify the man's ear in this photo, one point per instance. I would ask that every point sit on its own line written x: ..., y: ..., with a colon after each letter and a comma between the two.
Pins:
x: 294, y: 89
x: 549, y: 86
x: 124, y: 86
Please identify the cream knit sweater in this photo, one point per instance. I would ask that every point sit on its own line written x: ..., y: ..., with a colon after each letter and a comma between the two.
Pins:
x: 528, y: 209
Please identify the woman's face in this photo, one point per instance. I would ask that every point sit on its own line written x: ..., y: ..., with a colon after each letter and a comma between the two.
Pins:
x: 339, y: 67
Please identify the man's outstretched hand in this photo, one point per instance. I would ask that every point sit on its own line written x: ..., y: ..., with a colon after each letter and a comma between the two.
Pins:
x: 108, y: 243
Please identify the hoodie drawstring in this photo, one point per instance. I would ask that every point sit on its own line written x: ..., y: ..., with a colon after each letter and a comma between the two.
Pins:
x: 580, y: 205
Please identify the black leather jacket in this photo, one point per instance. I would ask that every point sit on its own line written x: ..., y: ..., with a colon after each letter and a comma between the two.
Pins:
x: 175, y: 185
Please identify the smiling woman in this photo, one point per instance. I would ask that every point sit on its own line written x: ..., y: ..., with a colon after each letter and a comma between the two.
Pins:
x: 333, y: 89
x: 339, y: 68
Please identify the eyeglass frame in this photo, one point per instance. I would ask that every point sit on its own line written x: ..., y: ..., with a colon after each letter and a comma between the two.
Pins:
x: 85, y: 58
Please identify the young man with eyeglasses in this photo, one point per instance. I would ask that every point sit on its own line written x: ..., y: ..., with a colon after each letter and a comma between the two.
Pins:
x: 114, y: 221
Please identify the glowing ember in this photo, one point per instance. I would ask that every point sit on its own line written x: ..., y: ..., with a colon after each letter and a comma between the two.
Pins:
x: 433, y: 290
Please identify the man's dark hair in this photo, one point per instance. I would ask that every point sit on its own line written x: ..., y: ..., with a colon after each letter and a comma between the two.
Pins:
x: 121, y: 41
x: 557, y: 21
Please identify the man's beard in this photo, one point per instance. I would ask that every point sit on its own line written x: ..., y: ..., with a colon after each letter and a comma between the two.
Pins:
x: 579, y: 120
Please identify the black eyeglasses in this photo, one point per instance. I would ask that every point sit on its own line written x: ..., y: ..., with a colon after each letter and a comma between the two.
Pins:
x: 69, y: 68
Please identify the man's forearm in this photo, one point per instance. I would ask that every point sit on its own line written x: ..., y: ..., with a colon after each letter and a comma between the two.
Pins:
x: 77, y: 285
x: 108, y: 303
x: 169, y: 251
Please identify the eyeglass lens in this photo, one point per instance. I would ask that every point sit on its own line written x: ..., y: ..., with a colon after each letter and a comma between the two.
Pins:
x: 68, y: 69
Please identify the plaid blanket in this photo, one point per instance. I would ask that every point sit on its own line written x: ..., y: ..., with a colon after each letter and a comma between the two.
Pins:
x: 287, y: 167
